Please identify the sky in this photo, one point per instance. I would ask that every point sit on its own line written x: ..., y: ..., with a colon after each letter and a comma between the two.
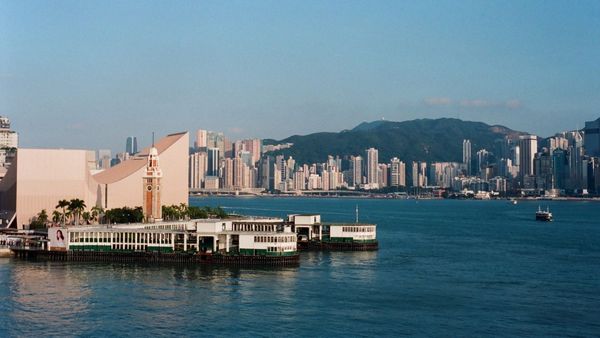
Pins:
x: 87, y: 74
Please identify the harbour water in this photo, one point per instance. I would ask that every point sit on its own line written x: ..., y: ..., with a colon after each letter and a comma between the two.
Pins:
x: 444, y: 268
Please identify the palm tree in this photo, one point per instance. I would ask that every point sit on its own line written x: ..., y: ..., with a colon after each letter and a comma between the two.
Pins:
x: 96, y: 212
x: 56, y: 216
x: 63, y: 204
x: 183, y: 209
x: 42, y: 217
x: 76, y: 206
x: 86, y: 217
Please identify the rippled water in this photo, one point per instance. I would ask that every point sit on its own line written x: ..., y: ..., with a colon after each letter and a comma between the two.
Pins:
x: 444, y: 268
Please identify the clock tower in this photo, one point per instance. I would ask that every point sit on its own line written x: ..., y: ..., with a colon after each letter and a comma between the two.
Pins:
x: 151, y: 180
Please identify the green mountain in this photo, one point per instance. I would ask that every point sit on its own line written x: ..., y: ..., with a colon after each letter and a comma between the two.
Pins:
x: 418, y: 140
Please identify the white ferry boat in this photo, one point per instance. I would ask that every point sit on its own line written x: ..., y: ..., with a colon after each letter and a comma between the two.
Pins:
x: 541, y: 215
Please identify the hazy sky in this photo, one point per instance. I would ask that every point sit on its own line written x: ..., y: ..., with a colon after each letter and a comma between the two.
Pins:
x: 86, y: 74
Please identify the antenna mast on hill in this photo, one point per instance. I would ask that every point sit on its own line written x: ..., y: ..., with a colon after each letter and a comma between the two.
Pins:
x: 152, y: 139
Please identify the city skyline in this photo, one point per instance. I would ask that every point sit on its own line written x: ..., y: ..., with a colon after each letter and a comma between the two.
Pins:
x: 271, y: 70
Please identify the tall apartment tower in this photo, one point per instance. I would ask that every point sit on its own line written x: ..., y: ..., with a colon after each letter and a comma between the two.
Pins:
x: 151, y: 203
x: 591, y: 138
x: 397, y: 173
x: 372, y: 167
x: 356, y: 163
x: 527, y: 151
x: 197, y: 168
x: 200, y: 142
x: 467, y: 155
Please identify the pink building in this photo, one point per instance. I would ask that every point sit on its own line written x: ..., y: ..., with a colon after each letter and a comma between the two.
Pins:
x: 39, y: 178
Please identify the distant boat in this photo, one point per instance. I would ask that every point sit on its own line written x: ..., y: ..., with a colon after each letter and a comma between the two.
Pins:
x: 512, y: 201
x: 541, y: 215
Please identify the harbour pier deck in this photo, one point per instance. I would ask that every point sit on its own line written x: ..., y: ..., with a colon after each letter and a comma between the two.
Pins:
x: 158, y: 258
x: 337, y: 246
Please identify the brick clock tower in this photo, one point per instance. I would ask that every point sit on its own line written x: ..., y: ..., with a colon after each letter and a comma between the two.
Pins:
x: 152, y: 206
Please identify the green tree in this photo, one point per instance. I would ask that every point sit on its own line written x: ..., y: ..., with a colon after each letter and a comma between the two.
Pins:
x: 184, y: 210
x: 219, y: 212
x: 76, y: 207
x: 63, y: 204
x: 125, y: 215
x: 43, y: 216
x: 96, y: 212
x: 197, y: 213
x: 87, y: 216
x: 39, y: 221
x: 56, y: 216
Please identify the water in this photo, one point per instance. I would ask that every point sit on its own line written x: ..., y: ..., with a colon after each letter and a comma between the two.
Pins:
x: 444, y: 268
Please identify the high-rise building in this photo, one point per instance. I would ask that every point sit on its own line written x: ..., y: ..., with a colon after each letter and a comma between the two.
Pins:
x: 419, y: 174
x: 467, y: 156
x: 131, y: 146
x: 238, y: 173
x: 483, y: 162
x: 200, y: 143
x: 356, y: 164
x: 299, y: 180
x: 591, y: 138
x: 212, y: 167
x: 246, y: 157
x: 372, y: 168
x: 542, y: 169
x: 265, y: 177
x: 397, y: 173
x: 197, y: 168
x: 254, y: 146
x: 9, y: 142
x: 290, y: 166
x: 228, y: 148
x: 216, y: 140
x: 528, y: 149
x: 560, y: 166
x: 383, y: 175
x: 228, y: 177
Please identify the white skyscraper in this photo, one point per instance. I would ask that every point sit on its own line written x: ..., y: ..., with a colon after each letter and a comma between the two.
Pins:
x: 397, y: 173
x: 372, y: 168
x: 356, y: 170
x: 467, y: 155
x: 201, y: 137
x: 198, y: 167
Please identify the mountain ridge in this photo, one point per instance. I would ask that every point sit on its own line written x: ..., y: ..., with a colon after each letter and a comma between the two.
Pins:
x: 429, y: 140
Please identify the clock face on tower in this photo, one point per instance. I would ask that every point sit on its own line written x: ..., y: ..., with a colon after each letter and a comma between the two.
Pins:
x: 149, y: 188
x: 157, y: 187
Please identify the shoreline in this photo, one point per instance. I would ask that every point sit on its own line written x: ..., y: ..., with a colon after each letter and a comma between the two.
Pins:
x: 385, y: 197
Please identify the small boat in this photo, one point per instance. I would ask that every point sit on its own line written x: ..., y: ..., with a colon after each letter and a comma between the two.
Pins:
x: 512, y: 201
x: 541, y: 215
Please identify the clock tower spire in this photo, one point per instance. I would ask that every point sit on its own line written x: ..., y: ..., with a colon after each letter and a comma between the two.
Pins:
x: 151, y: 180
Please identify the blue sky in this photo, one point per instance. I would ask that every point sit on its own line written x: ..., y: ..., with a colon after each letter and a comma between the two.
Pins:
x: 86, y: 74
